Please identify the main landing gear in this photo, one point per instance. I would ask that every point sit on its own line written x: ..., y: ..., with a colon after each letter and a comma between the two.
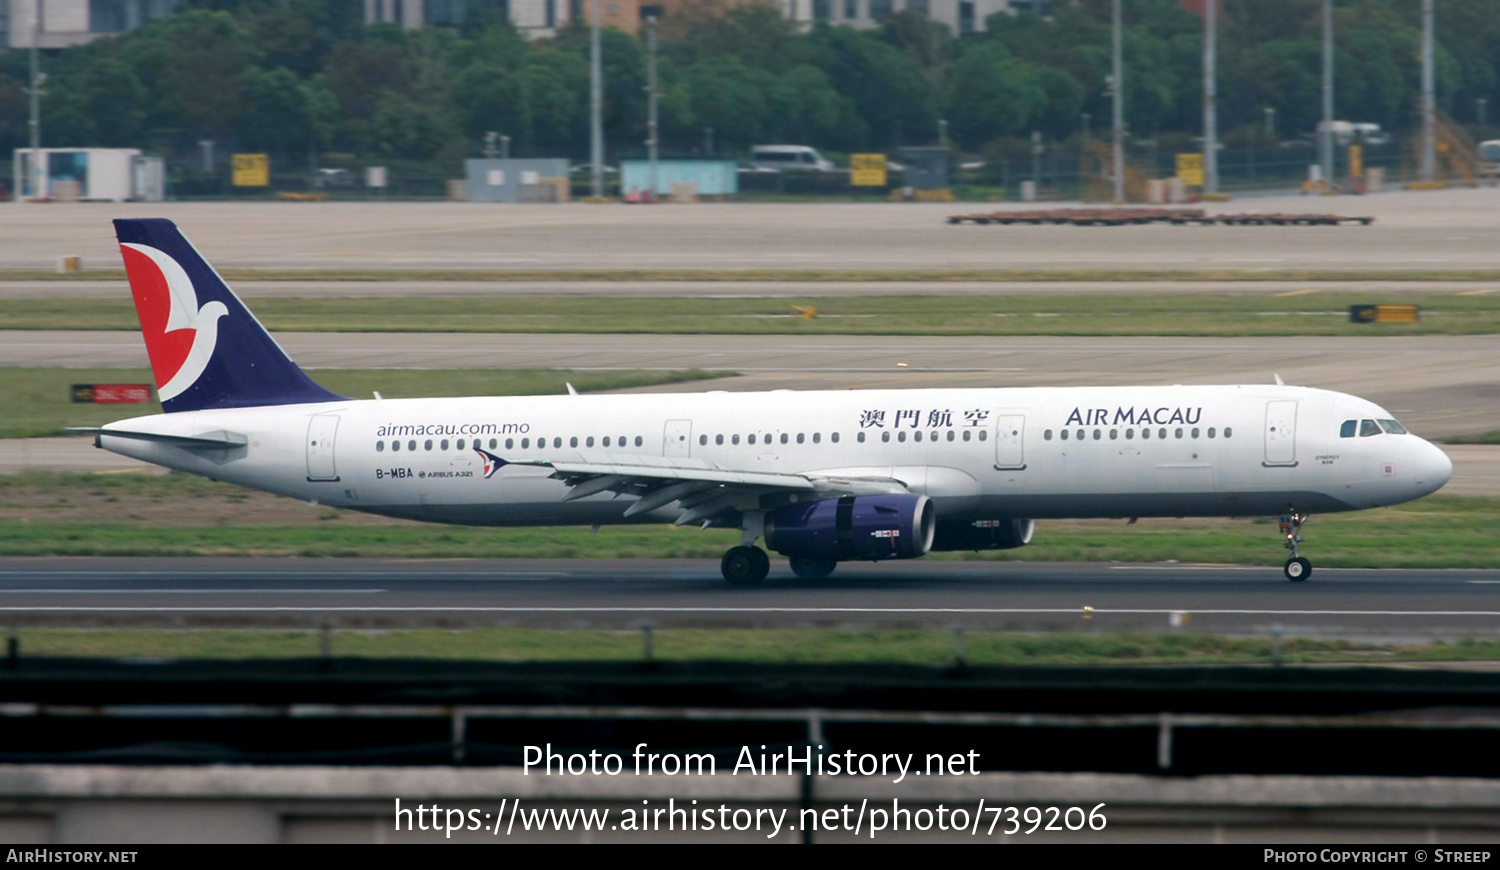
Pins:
x: 1297, y: 568
x: 745, y: 565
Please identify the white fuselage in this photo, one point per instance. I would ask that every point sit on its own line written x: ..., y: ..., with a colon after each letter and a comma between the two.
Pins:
x: 1033, y: 452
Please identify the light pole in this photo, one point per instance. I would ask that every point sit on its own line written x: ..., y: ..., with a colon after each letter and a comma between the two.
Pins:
x: 1117, y: 86
x: 1270, y: 122
x: 1210, y: 114
x: 38, y: 172
x: 651, y: 140
x: 596, y: 105
x: 1429, y: 119
x: 1325, y: 136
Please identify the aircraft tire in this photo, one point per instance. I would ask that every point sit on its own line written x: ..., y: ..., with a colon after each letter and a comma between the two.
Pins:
x: 745, y: 566
x: 812, y: 569
x: 1297, y: 569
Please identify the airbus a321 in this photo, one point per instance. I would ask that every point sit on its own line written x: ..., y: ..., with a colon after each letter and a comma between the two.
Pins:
x: 820, y: 477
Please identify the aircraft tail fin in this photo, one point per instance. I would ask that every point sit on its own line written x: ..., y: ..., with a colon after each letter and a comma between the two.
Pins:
x: 207, y: 350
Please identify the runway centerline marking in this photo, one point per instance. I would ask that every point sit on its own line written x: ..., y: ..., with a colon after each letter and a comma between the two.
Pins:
x: 191, y: 591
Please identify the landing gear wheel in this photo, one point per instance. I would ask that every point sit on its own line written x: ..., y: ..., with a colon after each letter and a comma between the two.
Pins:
x: 812, y: 569
x: 745, y: 566
x: 1297, y: 568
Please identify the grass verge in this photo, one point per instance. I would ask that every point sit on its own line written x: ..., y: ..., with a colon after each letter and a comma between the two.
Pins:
x: 1213, y: 314
x: 779, y: 646
x: 69, y: 514
x: 36, y: 401
x: 1491, y: 437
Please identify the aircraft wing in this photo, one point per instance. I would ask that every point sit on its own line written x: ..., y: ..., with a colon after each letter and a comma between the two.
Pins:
x: 703, y: 489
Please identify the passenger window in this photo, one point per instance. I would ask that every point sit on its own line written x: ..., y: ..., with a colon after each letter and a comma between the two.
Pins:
x: 702, y: 440
x: 950, y: 434
x: 1098, y: 435
x: 1129, y: 434
x: 396, y: 446
x: 444, y: 445
x: 509, y: 443
x: 801, y: 437
x: 785, y: 438
x: 1046, y: 436
x: 1063, y: 434
x: 412, y: 444
x: 590, y: 442
x: 718, y: 439
x: 573, y: 441
x: 834, y: 437
x: 884, y: 436
x: 637, y: 440
x: 817, y: 437
x: 1210, y: 431
x: 461, y: 444
x: 1114, y: 434
x: 1195, y: 432
x: 427, y: 445
x: 734, y: 439
x: 620, y: 442
x: 525, y: 443
x: 557, y: 443
x: 1080, y: 434
x: 750, y: 439
x: 983, y: 435
x: 1145, y: 433
x: 1391, y: 427
x: 916, y: 436
x: 860, y: 437
x: 1346, y: 430
x: 901, y: 436
x: 966, y: 434
x: 1177, y: 434
x: 379, y: 446
x: 1228, y: 431
x: 1162, y: 433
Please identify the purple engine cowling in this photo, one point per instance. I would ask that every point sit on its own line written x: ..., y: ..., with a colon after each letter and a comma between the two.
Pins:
x: 861, y: 527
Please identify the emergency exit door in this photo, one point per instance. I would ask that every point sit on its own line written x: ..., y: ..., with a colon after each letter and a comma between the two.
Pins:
x: 321, y: 431
x: 1010, y: 448
x: 677, y: 438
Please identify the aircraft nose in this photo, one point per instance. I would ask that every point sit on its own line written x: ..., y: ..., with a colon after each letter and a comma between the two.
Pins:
x: 1433, y: 467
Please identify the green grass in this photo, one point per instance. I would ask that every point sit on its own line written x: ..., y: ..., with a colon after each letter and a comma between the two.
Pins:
x: 1491, y: 437
x: 766, y: 646
x: 795, y: 275
x: 1310, y: 314
x: 71, y: 514
x: 37, y: 401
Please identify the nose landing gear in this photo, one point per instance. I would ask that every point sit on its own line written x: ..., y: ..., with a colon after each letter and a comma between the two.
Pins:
x: 1297, y: 568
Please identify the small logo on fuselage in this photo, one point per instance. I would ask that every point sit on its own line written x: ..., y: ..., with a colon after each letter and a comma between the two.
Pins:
x: 492, y: 462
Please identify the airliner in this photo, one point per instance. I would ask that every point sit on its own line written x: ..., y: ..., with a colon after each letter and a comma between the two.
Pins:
x: 820, y: 477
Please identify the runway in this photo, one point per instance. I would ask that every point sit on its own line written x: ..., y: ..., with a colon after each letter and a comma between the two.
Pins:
x: 628, y: 594
x: 1439, y: 230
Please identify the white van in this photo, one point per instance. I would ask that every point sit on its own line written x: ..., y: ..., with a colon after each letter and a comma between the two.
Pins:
x: 789, y: 157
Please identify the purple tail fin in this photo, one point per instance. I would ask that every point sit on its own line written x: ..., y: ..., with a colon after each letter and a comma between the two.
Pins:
x: 207, y: 350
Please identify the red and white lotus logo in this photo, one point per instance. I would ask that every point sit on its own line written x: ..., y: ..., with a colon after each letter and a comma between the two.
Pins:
x: 180, y: 336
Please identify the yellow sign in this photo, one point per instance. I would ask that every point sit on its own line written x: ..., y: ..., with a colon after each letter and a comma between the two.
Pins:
x: 1356, y: 161
x: 252, y: 170
x: 1190, y: 169
x: 867, y: 170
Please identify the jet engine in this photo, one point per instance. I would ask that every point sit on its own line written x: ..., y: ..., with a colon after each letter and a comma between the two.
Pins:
x: 865, y: 527
x: 1004, y: 534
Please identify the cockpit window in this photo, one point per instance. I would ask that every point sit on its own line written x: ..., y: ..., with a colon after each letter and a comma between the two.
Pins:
x: 1391, y: 427
x: 1347, y: 430
x: 1368, y: 428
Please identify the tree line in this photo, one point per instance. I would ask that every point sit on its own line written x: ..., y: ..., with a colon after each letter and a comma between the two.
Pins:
x: 300, y: 77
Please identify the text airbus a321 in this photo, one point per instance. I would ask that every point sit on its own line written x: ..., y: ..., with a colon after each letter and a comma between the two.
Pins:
x: 820, y: 477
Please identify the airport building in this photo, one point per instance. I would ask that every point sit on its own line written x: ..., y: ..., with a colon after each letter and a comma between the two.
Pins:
x: 66, y: 23
x: 542, y: 18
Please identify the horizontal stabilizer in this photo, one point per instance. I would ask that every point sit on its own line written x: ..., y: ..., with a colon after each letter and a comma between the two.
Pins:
x: 219, y: 440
